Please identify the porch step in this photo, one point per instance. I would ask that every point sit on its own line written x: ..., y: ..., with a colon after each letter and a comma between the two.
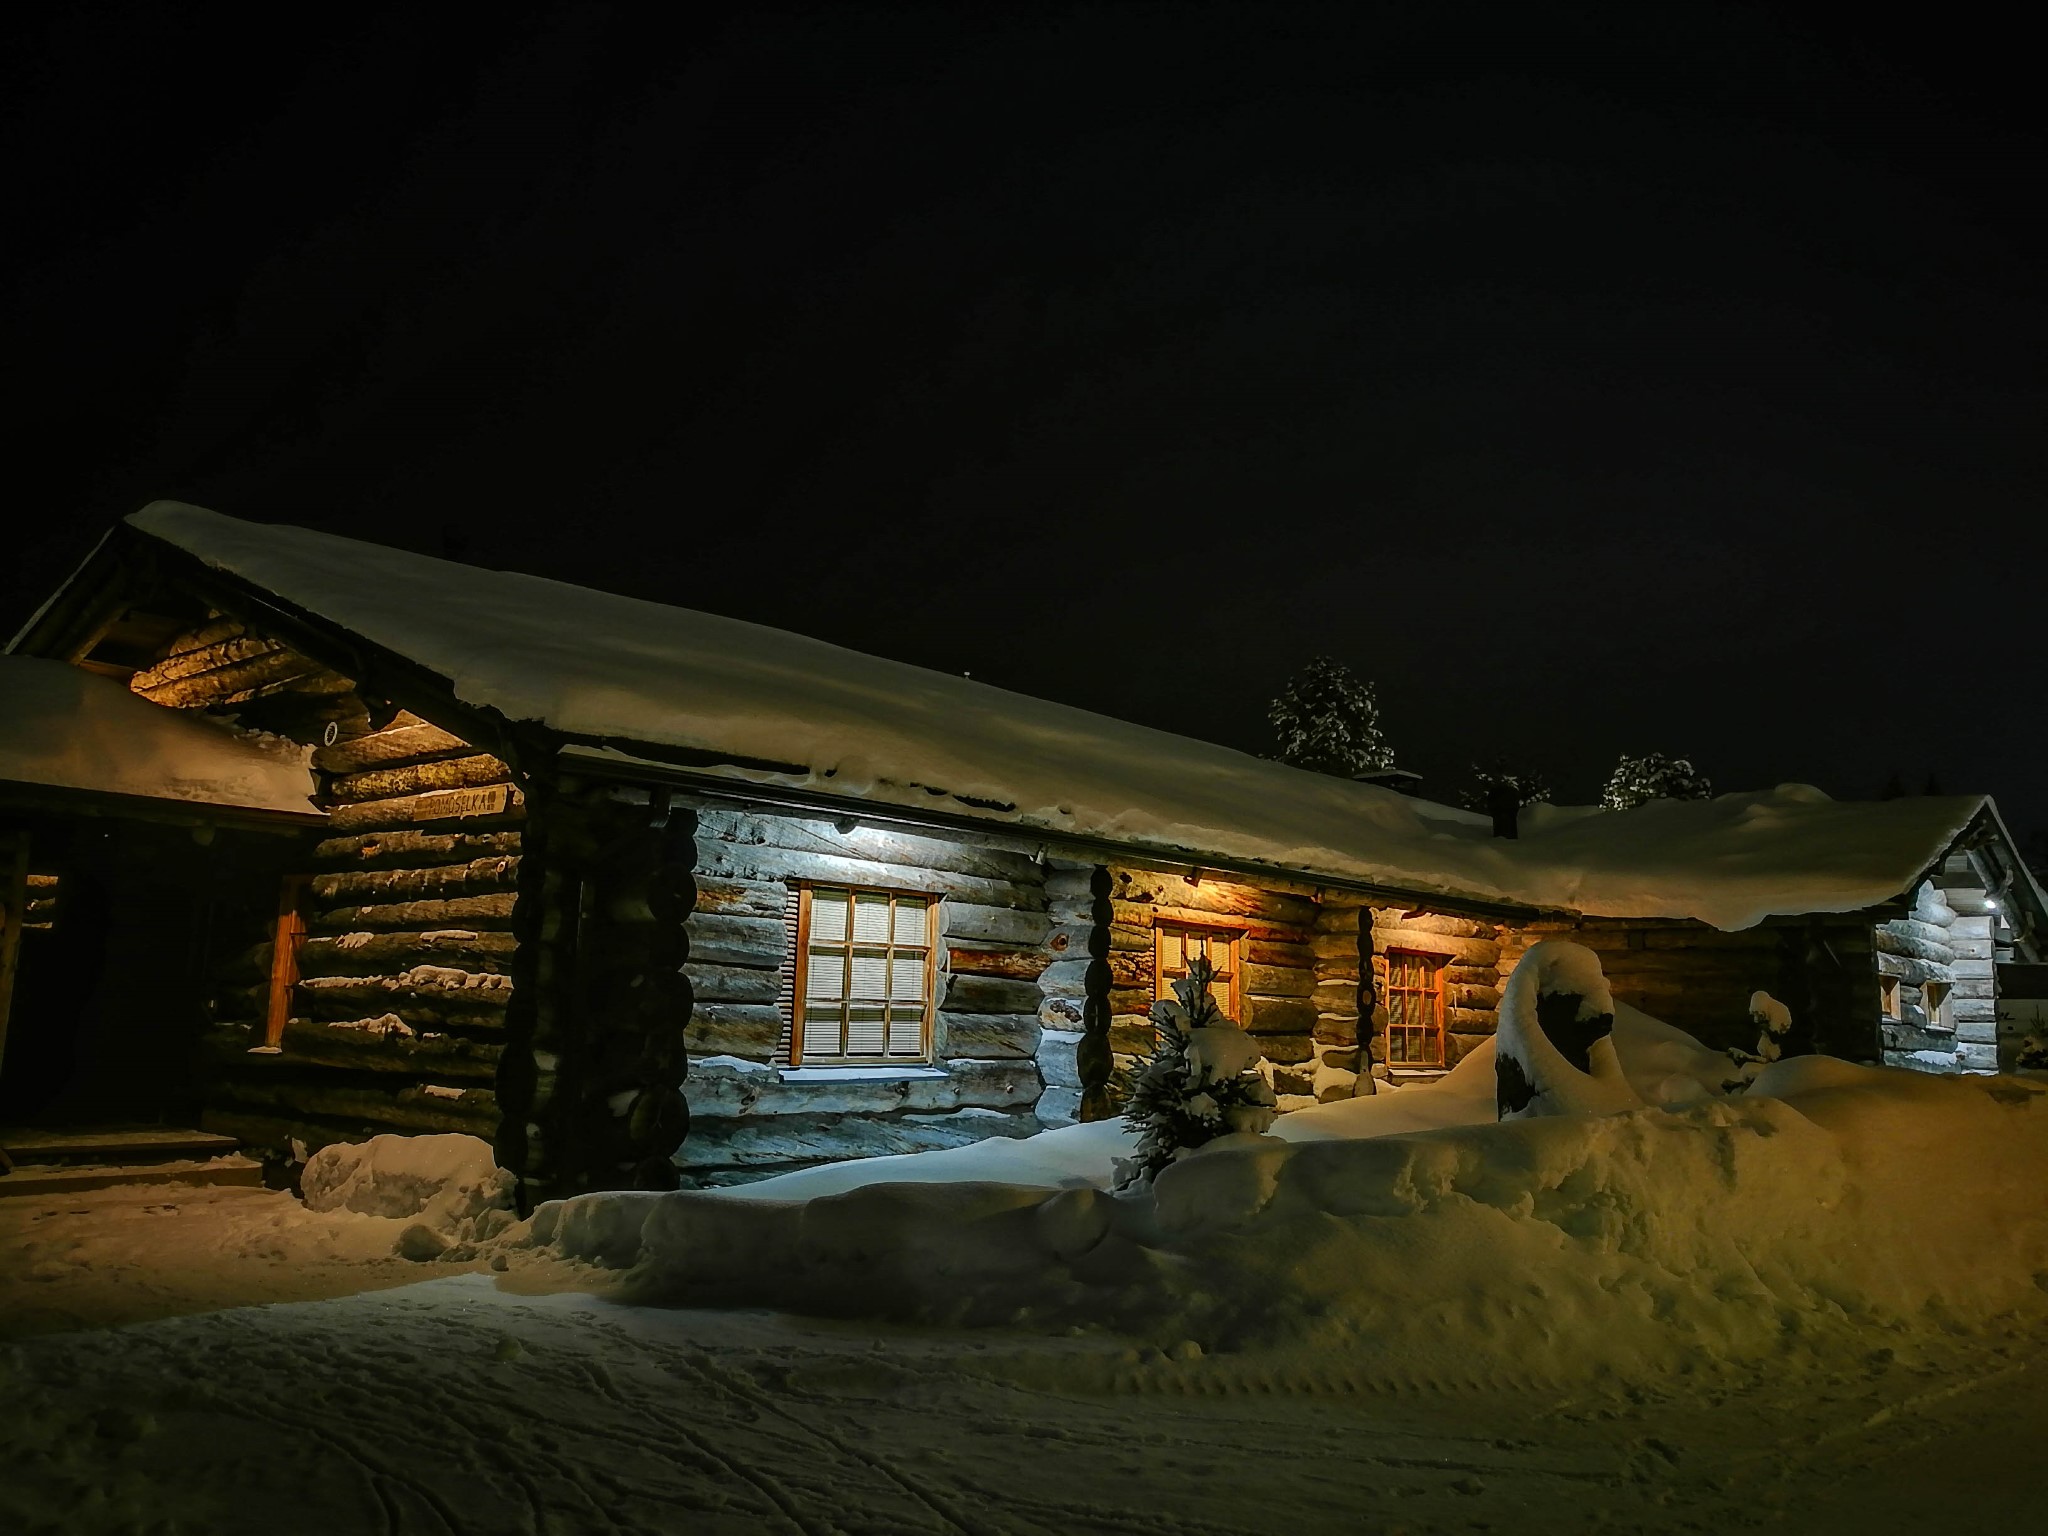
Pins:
x: 126, y: 1144
x: 76, y: 1178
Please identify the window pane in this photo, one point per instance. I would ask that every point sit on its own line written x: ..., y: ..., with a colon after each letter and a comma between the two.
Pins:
x: 870, y: 975
x: 866, y: 1030
x: 906, y: 976
x: 871, y: 919
x: 906, y: 1031
x: 828, y: 916
x: 825, y: 976
x: 821, y: 1032
x: 910, y: 920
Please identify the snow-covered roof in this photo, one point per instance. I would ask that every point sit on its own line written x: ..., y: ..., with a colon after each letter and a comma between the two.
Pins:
x: 64, y: 728
x: 633, y: 679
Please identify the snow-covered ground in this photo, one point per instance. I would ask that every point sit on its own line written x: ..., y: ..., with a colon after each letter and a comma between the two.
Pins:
x: 1817, y: 1304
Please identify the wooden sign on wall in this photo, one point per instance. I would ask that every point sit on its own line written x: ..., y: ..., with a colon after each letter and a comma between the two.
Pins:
x: 446, y: 804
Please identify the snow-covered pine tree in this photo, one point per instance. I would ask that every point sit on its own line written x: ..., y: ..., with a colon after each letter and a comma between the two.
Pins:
x: 1327, y: 719
x: 1653, y: 776
x: 1203, y: 1081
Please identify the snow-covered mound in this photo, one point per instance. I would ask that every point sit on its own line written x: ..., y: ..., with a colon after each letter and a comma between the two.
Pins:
x: 1698, y: 1227
x: 453, y: 1184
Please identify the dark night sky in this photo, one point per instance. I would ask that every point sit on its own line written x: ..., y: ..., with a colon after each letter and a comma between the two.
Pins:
x: 1594, y: 378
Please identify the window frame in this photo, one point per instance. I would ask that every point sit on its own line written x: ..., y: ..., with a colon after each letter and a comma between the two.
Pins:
x: 1435, y: 966
x: 1890, y: 999
x: 1935, y: 1004
x: 1227, y: 933
x: 801, y: 977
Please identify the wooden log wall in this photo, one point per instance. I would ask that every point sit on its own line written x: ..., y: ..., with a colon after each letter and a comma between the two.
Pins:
x: 1073, y: 1013
x: 1278, y: 980
x: 1699, y: 979
x: 1950, y: 936
x: 590, y: 1084
x: 995, y: 946
x: 397, y: 1019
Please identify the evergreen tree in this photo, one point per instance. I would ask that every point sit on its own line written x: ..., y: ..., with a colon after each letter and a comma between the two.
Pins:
x: 1328, y: 720
x: 1203, y: 1081
x: 1653, y: 776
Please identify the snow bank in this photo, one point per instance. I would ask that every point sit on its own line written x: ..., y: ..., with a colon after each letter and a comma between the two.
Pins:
x: 66, y: 728
x: 1695, y: 1229
x: 451, y: 1183
x: 634, y: 680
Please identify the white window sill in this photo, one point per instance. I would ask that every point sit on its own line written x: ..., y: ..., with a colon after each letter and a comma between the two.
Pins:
x: 880, y: 1073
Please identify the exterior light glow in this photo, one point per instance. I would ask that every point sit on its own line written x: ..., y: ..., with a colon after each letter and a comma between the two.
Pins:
x: 1991, y: 902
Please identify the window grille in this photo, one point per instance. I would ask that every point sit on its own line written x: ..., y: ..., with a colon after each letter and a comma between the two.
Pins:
x: 865, y: 984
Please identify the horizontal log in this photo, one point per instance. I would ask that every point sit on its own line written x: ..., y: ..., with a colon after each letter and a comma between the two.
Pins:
x: 179, y: 665
x: 737, y: 938
x: 367, y: 954
x: 1271, y: 952
x: 381, y: 886
x: 408, y: 739
x: 1069, y: 883
x: 419, y: 778
x: 410, y: 848
x: 198, y: 638
x: 749, y: 1030
x: 1435, y: 923
x: 419, y: 997
x: 999, y: 960
x: 383, y: 1044
x: 741, y: 898
x: 866, y: 844
x: 473, y: 1110
x: 1146, y: 917
x: 1336, y: 1029
x: 1132, y: 1034
x: 235, y: 682
x: 731, y: 861
x: 1067, y: 978
x: 1132, y: 936
x: 1279, y: 1015
x: 1334, y: 919
x: 732, y: 983
x: 493, y: 911
x: 993, y: 924
x: 1335, y: 997
x: 1444, y: 946
x: 1213, y: 897
x: 990, y: 994
x: 434, y: 810
x: 989, y: 1036
x: 1278, y: 980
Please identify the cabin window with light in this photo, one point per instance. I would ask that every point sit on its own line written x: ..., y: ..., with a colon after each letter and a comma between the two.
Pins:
x: 864, y: 982
x: 1888, y: 996
x: 1415, y: 1009
x: 1175, y: 946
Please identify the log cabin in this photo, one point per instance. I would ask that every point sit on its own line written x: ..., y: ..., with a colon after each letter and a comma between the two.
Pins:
x: 651, y: 897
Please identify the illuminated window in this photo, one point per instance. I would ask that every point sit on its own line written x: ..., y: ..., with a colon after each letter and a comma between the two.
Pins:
x: 1935, y: 995
x: 1175, y: 945
x: 1888, y: 996
x: 864, y: 976
x: 1415, y: 1009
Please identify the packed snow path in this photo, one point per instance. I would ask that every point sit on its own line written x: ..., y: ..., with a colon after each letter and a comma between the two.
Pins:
x: 454, y: 1406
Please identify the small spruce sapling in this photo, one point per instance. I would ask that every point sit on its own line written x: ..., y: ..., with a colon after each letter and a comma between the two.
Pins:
x: 1203, y: 1081
x: 1327, y: 719
x: 1773, y: 1021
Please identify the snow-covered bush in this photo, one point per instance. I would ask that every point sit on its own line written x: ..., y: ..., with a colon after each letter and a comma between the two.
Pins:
x: 1554, y: 1051
x: 2033, y: 1054
x: 1327, y: 719
x: 1203, y: 1081
x: 1773, y: 1021
x: 1653, y: 776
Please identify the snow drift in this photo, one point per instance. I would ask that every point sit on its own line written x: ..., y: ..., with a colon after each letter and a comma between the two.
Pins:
x: 451, y: 1183
x: 1695, y: 1227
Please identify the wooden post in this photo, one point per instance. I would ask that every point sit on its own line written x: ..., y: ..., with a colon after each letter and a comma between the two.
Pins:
x: 13, y: 909
x: 1093, y: 1060
x: 285, y: 939
x: 1368, y: 1001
